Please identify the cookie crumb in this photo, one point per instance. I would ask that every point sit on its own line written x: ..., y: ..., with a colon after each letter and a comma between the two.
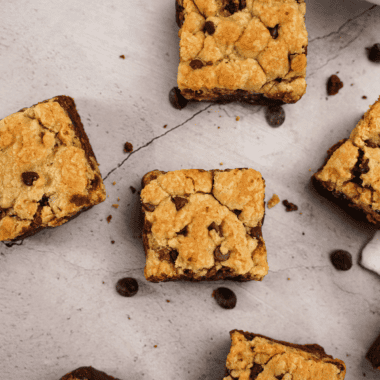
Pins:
x: 132, y: 189
x: 109, y: 217
x: 221, y: 164
x: 237, y: 118
x: 128, y: 147
x: 218, y: 127
x: 168, y: 301
x: 115, y: 205
x: 364, y: 97
x: 155, y: 346
x: 288, y: 278
x: 289, y: 206
x: 165, y: 125
x: 334, y: 84
x: 112, y: 241
x: 114, y: 183
x: 273, y: 201
x: 122, y: 56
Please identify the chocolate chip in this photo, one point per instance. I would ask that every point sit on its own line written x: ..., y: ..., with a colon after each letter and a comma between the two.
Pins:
x: 29, y: 177
x: 219, y: 256
x: 231, y: 7
x: 256, y: 232
x: 179, y: 14
x: 214, y: 226
x: 374, y: 53
x: 237, y: 212
x: 209, y: 27
x: 174, y: 255
x: 147, y: 226
x: 370, y: 144
x: 87, y: 373
x: 44, y: 201
x: 179, y: 202
x: 127, y: 287
x: 274, y: 32
x: 196, y: 64
x: 79, y: 200
x: 242, y: 4
x: 289, y: 206
x: 148, y: 207
x: 128, y: 147
x: 334, y: 84
x: 275, y: 116
x: 225, y: 298
x: 176, y: 99
x: 279, y: 377
x: 342, y: 260
x: 183, y: 232
x: 255, y: 371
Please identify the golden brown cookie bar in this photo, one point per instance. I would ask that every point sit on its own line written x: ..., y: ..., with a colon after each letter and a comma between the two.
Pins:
x: 373, y: 354
x: 254, y: 356
x: 248, y: 50
x: 49, y: 172
x: 351, y: 173
x: 204, y: 225
x: 87, y: 373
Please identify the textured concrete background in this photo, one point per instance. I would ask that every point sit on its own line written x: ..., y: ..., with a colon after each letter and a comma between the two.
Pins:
x: 58, y: 306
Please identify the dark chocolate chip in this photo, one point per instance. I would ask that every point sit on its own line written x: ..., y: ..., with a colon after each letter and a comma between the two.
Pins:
x: 148, y: 207
x: 225, y: 298
x: 214, y: 226
x: 237, y: 212
x: 174, y: 255
x: 87, y: 373
x: 275, y: 116
x: 209, y: 27
x: 179, y: 202
x: 370, y: 144
x: 176, y: 99
x: 334, y: 84
x: 196, y: 64
x: 279, y: 377
x: 183, y: 232
x: 274, y: 32
x: 256, y: 232
x: 374, y: 53
x: 289, y: 206
x: 342, y: 260
x: 128, y: 147
x: 255, y: 371
x: 219, y: 256
x: 242, y: 4
x: 231, y: 7
x: 127, y: 287
x: 29, y: 177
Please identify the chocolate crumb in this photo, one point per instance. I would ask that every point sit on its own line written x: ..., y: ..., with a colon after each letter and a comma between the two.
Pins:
x: 122, y: 56
x: 109, y: 217
x: 334, y: 84
x: 167, y: 301
x: 289, y: 206
x: 112, y: 241
x: 128, y: 147
x: 342, y: 260
x: 165, y: 125
x: 132, y: 189
x: 374, y: 53
x: 225, y: 298
x: 176, y: 99
x: 275, y: 116
x: 127, y: 287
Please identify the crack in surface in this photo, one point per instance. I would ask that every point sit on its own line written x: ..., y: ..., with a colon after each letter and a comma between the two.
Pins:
x: 155, y: 138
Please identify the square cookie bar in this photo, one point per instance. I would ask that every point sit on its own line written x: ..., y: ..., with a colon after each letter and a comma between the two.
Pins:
x: 204, y: 225
x: 49, y: 173
x: 247, y: 50
x: 87, y: 373
x: 350, y: 175
x: 254, y: 356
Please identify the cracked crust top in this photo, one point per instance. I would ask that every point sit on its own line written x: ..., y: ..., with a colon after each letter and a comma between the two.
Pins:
x: 353, y: 166
x: 255, y: 356
x: 197, y: 220
x: 254, y: 45
x: 48, y: 170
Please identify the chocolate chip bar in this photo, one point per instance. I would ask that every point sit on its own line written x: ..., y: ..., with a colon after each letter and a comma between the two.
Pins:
x: 49, y: 172
x: 373, y: 354
x: 254, y: 356
x: 350, y: 175
x: 247, y: 50
x: 204, y: 225
x: 87, y: 373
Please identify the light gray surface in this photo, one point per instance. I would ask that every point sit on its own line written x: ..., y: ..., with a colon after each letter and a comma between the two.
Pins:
x: 58, y: 305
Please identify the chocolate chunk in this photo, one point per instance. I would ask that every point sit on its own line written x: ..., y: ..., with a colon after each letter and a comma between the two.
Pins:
x: 209, y: 27
x: 87, y: 373
x: 196, y: 64
x: 334, y: 84
x: 255, y: 371
x: 219, y: 256
x: 342, y: 260
x: 256, y: 232
x: 29, y: 177
x: 179, y: 202
x: 242, y: 4
x: 176, y: 99
x: 79, y: 200
x: 374, y: 53
x: 289, y: 206
x: 232, y: 7
x: 174, y: 255
x: 148, y: 207
x: 128, y: 147
x: 183, y: 232
x: 237, y: 212
x: 274, y: 32
x: 225, y: 298
x: 127, y: 287
x: 275, y: 116
x: 214, y: 226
